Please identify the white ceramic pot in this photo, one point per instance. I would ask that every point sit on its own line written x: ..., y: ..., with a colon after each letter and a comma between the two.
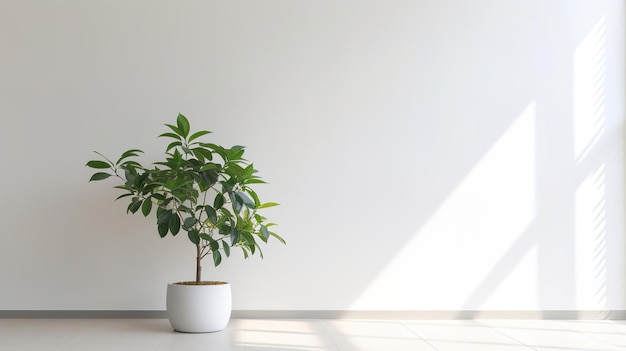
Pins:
x: 199, y: 308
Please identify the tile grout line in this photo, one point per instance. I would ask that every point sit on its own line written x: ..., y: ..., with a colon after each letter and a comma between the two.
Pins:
x: 620, y: 347
x: 506, y: 335
x: 419, y: 336
x: 328, y: 332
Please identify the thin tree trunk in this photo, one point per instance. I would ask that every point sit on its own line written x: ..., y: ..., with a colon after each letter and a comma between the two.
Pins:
x: 198, y: 267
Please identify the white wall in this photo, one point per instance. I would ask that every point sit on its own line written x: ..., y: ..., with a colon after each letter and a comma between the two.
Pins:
x: 435, y: 154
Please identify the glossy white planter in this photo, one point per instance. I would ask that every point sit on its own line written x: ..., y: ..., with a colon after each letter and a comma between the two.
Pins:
x: 199, y: 308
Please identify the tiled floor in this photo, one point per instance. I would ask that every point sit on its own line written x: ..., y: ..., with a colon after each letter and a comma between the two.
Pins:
x: 336, y: 335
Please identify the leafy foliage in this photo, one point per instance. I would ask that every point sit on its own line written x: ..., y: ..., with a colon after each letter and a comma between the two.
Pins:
x: 200, y: 188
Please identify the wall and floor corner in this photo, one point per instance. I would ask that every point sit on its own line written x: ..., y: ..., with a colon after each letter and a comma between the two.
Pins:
x: 445, y: 156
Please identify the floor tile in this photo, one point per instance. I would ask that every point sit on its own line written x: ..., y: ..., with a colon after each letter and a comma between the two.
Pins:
x: 360, y: 335
x: 105, y: 347
x: 549, y: 336
x: 286, y: 335
x: 294, y: 348
x: 29, y: 347
x: 314, y: 335
x: 40, y: 331
x: 147, y: 332
x: 611, y: 332
x: 462, y: 336
x: 229, y: 339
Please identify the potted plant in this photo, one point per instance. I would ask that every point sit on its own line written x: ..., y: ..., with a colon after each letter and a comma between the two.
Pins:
x: 204, y: 190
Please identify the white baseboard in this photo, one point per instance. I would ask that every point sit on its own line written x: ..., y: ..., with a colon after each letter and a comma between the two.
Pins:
x: 433, y: 314
x: 325, y: 314
x: 86, y: 314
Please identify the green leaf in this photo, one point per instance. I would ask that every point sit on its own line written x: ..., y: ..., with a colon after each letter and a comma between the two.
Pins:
x: 226, y: 248
x: 211, y: 214
x: 260, y: 251
x: 249, y: 171
x: 210, y: 166
x: 193, y: 236
x: 225, y: 229
x: 162, y: 228
x: 226, y: 214
x: 174, y: 224
x: 216, y: 148
x: 246, y: 200
x: 236, y: 201
x: 202, y: 154
x: 217, y: 258
x: 164, y: 217
x: 278, y: 237
x: 183, y: 125
x: 149, y: 187
x: 158, y: 196
x: 98, y: 164
x: 146, y: 207
x: 254, y: 196
x: 173, y: 145
x: 254, y: 181
x: 130, y: 164
x: 189, y: 222
x: 124, y: 195
x: 104, y: 157
x: 265, y: 234
x: 99, y: 176
x: 213, y: 244
x: 176, y: 130
x: 209, y: 178
x: 247, y: 237
x: 236, y: 153
x: 134, y: 205
x: 233, y: 170
x: 196, y: 135
x: 219, y: 201
x: 234, y: 237
x: 259, y: 218
x: 170, y: 135
x: 252, y: 248
x: 268, y: 204
x: 129, y: 153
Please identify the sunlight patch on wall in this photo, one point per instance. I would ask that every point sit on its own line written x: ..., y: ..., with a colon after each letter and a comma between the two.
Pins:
x: 589, y: 129
x: 468, y: 236
x: 589, y: 90
x: 591, y: 241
